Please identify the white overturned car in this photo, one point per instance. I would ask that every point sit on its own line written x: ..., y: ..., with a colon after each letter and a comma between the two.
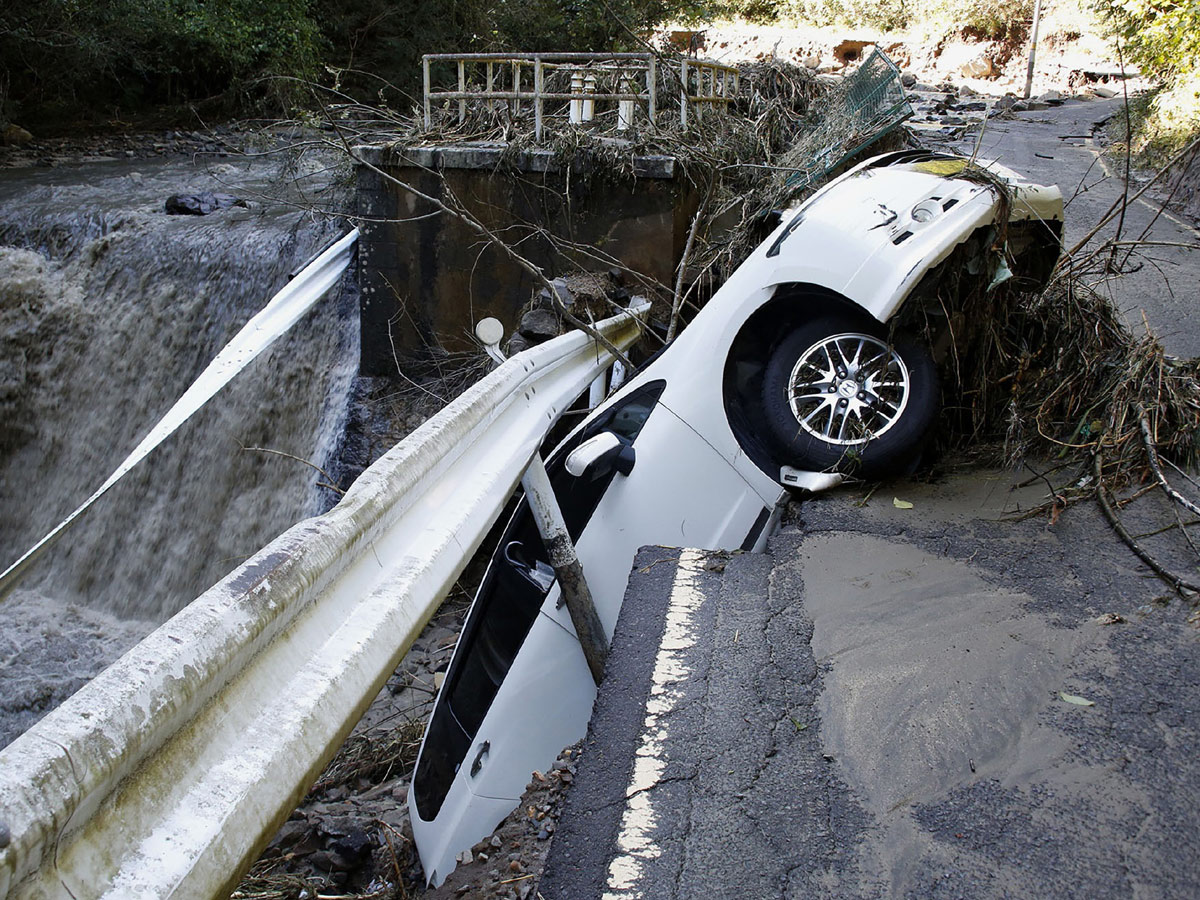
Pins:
x: 788, y: 377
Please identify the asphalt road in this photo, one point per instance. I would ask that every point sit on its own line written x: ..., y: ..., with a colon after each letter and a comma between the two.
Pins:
x: 1057, y: 146
x: 940, y: 701
x: 881, y: 707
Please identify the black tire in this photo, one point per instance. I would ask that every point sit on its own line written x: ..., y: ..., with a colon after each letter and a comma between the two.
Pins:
x: 863, y: 405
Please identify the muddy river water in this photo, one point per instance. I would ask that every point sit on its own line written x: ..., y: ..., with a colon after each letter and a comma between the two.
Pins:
x: 108, y: 309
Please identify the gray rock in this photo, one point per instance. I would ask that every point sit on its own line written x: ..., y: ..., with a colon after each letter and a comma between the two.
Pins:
x: 1104, y: 93
x: 1051, y: 97
x: 5, y: 836
x: 539, y: 325
x: 908, y: 79
x: 563, y: 291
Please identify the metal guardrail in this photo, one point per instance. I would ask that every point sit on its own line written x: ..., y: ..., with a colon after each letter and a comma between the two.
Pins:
x: 571, y: 85
x: 167, y: 774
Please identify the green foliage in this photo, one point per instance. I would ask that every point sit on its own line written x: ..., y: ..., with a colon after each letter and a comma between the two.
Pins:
x: 886, y: 15
x: 986, y: 19
x: 1162, y: 37
x: 113, y: 55
x: 62, y: 58
x: 993, y: 20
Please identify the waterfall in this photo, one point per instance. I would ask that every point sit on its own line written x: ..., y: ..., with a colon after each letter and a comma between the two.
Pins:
x: 108, y: 309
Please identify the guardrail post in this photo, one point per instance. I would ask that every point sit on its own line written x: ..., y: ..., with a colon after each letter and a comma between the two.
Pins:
x: 567, y: 567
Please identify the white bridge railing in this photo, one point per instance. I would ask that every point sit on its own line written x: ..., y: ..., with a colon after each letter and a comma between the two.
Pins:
x: 167, y: 774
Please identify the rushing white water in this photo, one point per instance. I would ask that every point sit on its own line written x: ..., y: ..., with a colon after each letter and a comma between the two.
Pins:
x: 108, y: 309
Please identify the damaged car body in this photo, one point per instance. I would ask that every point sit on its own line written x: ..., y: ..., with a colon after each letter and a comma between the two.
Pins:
x: 789, y: 377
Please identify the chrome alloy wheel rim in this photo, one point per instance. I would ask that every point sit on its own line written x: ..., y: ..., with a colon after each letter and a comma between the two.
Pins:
x: 848, y: 389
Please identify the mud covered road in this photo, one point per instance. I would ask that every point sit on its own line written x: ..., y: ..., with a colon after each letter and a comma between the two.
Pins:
x: 928, y: 702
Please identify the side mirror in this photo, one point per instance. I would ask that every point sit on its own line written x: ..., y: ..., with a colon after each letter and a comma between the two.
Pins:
x: 600, y: 455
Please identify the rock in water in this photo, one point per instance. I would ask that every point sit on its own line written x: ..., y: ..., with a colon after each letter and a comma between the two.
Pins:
x: 200, y: 204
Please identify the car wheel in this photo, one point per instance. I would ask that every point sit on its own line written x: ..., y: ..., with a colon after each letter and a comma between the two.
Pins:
x: 838, y: 393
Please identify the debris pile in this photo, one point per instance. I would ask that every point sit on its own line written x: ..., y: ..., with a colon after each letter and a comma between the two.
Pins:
x: 587, y: 295
x: 508, y: 865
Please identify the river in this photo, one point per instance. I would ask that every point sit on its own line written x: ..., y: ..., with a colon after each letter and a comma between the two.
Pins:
x: 109, y: 308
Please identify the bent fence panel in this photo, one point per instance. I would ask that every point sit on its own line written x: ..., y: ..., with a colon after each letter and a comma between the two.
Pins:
x: 165, y: 775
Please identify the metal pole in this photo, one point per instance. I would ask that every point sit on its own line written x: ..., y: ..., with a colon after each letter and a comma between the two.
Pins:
x: 546, y: 513
x: 1037, y: 15
x: 491, y: 84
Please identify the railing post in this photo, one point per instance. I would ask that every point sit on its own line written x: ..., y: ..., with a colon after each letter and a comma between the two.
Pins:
x: 683, y: 93
x: 596, y: 391
x: 516, y: 71
x: 491, y: 84
x: 462, y: 89
x: 546, y: 513
x: 625, y: 108
x: 425, y: 73
x: 577, y: 105
x: 652, y: 87
x: 537, y: 98
x: 589, y: 104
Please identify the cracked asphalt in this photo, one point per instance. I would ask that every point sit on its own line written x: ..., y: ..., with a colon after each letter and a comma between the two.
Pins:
x: 875, y: 708
x: 937, y: 702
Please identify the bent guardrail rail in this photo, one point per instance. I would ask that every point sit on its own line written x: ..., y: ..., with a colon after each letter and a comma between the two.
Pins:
x: 167, y: 774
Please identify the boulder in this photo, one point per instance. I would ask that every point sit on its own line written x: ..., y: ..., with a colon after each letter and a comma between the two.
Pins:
x: 539, y: 325
x: 980, y: 66
x: 200, y: 204
x: 14, y: 135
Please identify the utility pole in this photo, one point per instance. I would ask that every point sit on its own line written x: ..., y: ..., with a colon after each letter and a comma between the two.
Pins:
x: 1037, y: 15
